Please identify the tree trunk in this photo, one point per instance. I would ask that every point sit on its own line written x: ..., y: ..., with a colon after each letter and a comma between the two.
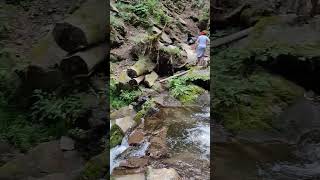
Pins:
x: 142, y: 66
x: 87, y: 26
x: 84, y: 62
x: 136, y: 81
x: 150, y: 79
x: 42, y: 73
x: 123, y: 79
x: 228, y: 39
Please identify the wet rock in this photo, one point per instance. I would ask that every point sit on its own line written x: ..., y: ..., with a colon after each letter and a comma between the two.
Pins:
x: 45, y: 158
x: 134, y: 162
x: 204, y: 99
x: 152, y: 123
x: 160, y: 174
x: 158, y: 146
x: 96, y: 167
x: 125, y: 123
x: 66, y: 143
x: 123, y: 112
x: 136, y: 138
x: 139, y: 176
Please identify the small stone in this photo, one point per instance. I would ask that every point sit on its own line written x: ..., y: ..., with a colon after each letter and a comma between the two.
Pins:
x: 66, y: 143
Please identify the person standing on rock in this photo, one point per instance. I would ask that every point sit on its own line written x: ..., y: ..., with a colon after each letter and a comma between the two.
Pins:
x: 201, y: 45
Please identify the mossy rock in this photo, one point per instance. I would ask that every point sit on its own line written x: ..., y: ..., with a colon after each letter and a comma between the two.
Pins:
x: 192, y: 95
x: 96, y: 167
x: 260, y: 111
x: 277, y: 35
x: 116, y: 136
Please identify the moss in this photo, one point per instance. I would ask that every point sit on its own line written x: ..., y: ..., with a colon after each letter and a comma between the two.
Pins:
x: 191, y: 95
x: 96, y: 167
x: 256, y: 112
x: 175, y: 51
x: 139, y: 116
x: 116, y: 136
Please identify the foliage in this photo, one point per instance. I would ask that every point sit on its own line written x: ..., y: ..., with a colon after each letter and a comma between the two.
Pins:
x: 172, y: 51
x: 244, y: 92
x: 145, y: 10
x: 18, y: 131
x: 49, y: 109
x: 182, y: 89
x: 121, y: 98
x: 116, y: 136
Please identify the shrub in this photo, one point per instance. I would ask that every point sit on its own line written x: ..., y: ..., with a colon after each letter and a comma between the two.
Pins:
x: 49, y: 109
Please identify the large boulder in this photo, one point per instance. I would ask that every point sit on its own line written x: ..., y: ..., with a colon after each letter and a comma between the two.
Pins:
x: 96, y: 167
x: 46, y: 158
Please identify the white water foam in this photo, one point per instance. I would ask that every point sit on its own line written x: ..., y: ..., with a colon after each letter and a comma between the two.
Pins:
x: 116, y: 151
x: 200, y: 136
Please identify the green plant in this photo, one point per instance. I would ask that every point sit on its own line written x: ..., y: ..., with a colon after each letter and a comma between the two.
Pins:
x: 119, y: 97
x: 16, y: 129
x: 182, y: 89
x: 175, y: 51
x: 49, y: 109
x: 145, y: 10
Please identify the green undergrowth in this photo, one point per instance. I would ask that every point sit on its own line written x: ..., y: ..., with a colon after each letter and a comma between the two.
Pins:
x: 116, y: 136
x: 122, y: 97
x: 245, y: 94
x: 183, y: 89
x: 146, y: 11
x: 16, y: 129
x: 175, y: 51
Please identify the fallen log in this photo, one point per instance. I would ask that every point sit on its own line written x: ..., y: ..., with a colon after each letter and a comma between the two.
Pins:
x: 142, y: 66
x: 233, y: 37
x: 123, y: 80
x: 45, y: 56
x: 84, y: 62
x: 46, y: 53
x: 176, y: 75
x: 150, y: 79
x: 87, y: 26
x: 136, y: 81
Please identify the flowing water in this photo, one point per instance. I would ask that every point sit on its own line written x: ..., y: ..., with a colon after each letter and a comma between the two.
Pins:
x: 188, y: 140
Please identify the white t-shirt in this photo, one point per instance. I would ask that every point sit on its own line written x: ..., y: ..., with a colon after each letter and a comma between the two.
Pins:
x: 202, y: 40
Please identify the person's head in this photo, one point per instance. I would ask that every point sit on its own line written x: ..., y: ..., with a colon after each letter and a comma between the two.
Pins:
x: 203, y: 33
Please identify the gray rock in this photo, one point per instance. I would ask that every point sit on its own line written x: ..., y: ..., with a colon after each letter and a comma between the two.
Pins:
x: 66, y: 143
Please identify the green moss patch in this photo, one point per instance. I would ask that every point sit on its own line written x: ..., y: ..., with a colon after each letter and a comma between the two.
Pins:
x: 116, y: 136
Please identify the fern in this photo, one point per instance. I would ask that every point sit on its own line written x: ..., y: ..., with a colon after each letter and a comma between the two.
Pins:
x: 49, y: 109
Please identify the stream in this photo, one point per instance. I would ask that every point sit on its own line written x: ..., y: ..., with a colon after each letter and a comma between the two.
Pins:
x: 188, y: 141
